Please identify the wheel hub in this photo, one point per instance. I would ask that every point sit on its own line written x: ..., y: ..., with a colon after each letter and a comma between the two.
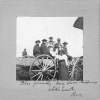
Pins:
x: 44, y: 69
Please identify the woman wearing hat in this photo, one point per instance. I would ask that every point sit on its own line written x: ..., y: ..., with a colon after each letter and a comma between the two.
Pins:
x: 51, y: 43
x: 44, y: 49
x: 36, y: 49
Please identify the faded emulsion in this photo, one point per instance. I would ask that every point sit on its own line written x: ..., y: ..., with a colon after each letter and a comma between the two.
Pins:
x: 49, y: 49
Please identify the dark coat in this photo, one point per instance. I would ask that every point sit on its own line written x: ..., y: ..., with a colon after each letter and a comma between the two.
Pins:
x: 24, y: 53
x: 58, y: 46
x: 44, y: 49
x: 65, y: 50
x: 36, y: 50
x: 63, y: 73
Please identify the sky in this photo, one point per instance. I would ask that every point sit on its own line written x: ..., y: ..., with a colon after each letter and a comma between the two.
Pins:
x: 30, y: 29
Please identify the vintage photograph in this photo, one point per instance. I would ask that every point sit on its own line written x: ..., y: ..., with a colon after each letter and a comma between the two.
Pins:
x: 49, y: 48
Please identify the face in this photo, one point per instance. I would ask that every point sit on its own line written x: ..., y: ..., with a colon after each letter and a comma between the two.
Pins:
x: 51, y: 39
x: 38, y: 43
x: 24, y: 49
x: 45, y: 42
x: 58, y: 40
x: 64, y: 44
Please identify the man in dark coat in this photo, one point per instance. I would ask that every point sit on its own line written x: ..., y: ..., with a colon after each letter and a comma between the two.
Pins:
x: 44, y: 49
x: 66, y: 52
x: 36, y: 49
x: 24, y: 53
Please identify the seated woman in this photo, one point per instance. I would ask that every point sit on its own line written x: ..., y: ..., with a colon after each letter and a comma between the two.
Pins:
x: 36, y: 49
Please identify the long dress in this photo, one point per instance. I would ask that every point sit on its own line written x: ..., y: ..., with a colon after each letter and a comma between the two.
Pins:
x: 63, y: 73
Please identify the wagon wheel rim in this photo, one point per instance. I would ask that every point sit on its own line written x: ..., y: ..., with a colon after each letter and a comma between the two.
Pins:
x: 45, y: 70
x: 76, y: 71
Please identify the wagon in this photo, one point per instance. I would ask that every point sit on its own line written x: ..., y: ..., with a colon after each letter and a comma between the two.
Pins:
x: 45, y: 67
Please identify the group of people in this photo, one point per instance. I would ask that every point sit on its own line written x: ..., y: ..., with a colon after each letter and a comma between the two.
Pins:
x: 47, y: 46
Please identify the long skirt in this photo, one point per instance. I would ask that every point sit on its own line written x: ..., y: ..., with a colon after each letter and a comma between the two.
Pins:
x: 63, y: 73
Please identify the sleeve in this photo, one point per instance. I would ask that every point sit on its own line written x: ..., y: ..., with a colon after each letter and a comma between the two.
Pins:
x: 65, y: 50
x: 26, y: 53
x: 34, y: 50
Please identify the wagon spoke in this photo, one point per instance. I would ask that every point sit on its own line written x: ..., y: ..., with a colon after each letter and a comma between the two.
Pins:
x: 77, y: 73
x: 46, y: 62
x: 36, y: 65
x: 42, y: 61
x: 79, y: 68
x: 39, y: 62
x: 50, y: 67
x: 48, y: 78
x: 35, y: 75
x: 50, y: 74
x: 39, y: 76
x: 36, y: 70
x: 51, y: 70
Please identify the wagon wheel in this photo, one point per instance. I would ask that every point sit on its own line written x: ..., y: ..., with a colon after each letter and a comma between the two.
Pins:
x: 70, y: 66
x: 43, y: 68
x: 77, y: 70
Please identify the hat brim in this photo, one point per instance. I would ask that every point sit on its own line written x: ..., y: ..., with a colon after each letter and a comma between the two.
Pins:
x: 58, y: 39
x: 44, y: 40
x: 65, y: 43
x: 50, y: 37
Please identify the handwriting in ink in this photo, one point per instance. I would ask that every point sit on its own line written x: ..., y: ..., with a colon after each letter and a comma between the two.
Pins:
x: 54, y: 88
x: 68, y: 89
x: 24, y: 83
x: 41, y: 83
x: 60, y: 88
x: 75, y: 94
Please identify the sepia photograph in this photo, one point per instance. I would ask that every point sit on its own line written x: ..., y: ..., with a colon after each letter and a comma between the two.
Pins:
x: 49, y: 48
x: 42, y: 44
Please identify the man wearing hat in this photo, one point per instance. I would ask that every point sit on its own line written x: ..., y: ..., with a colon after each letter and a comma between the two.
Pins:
x: 65, y: 48
x: 44, y: 49
x: 50, y: 39
x: 58, y: 46
x: 36, y: 49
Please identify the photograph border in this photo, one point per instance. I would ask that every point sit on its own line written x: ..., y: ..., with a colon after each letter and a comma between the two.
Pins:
x: 9, y: 88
